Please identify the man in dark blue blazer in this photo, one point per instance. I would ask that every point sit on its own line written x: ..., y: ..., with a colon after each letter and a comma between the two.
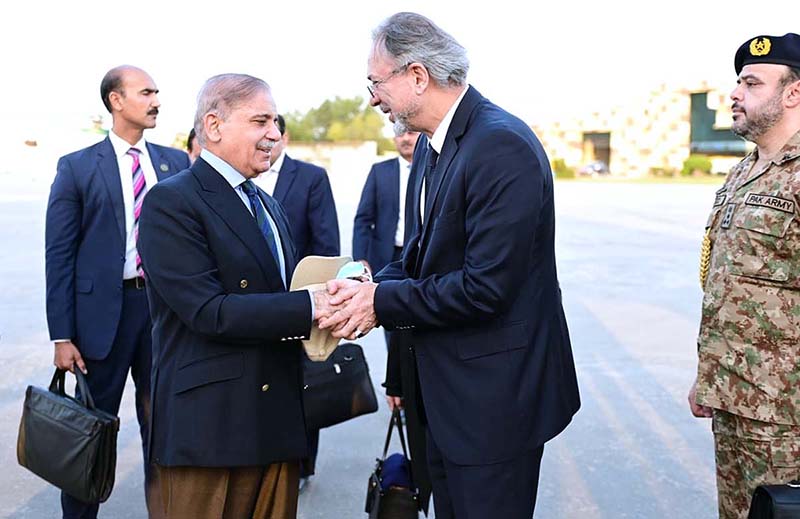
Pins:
x: 96, y: 305
x: 227, y: 424
x: 378, y: 227
x: 477, y: 284
x: 304, y: 192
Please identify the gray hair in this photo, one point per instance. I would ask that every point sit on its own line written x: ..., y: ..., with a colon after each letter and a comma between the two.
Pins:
x: 412, y: 38
x: 221, y: 94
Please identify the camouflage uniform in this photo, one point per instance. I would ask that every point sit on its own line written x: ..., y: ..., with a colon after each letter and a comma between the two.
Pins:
x: 749, y: 341
x: 750, y: 453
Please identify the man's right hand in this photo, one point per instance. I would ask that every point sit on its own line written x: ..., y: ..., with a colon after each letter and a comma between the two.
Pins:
x: 700, y: 411
x: 67, y: 356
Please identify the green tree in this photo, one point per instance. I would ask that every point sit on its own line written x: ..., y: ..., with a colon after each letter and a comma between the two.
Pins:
x: 338, y: 120
x: 696, y: 164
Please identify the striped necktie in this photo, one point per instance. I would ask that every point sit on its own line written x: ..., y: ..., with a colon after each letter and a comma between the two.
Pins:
x: 139, y: 190
x: 260, y: 215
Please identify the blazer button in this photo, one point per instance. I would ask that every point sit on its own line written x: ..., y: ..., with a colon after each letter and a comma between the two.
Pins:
x: 243, y: 283
x: 265, y: 387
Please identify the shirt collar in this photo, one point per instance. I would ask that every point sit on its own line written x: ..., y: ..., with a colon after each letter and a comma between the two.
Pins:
x: 278, y: 164
x: 233, y: 177
x: 790, y: 150
x: 121, y: 146
x: 403, y: 163
x: 437, y: 139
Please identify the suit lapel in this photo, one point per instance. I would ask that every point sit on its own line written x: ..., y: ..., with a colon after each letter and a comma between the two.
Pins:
x: 458, y: 126
x: 223, y: 200
x: 286, y: 178
x: 415, y: 181
x: 161, y: 165
x: 109, y: 170
x: 393, y: 178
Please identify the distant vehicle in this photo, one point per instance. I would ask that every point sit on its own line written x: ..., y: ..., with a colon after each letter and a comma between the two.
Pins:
x: 594, y: 168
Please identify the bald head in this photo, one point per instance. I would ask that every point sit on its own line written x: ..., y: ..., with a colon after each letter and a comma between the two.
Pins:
x: 113, y: 81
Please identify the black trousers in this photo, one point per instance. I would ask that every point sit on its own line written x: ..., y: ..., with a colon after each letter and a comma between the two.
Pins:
x: 506, y: 489
x: 131, y: 352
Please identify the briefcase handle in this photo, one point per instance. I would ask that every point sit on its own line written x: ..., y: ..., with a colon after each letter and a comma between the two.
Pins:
x: 82, y: 394
x: 396, y: 422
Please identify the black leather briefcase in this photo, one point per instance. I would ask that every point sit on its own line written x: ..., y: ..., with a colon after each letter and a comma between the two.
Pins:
x: 776, y: 501
x: 67, y: 441
x: 338, y: 388
x: 389, y: 494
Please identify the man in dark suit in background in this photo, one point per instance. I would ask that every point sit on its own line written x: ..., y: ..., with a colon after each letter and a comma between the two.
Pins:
x: 401, y: 369
x: 304, y: 192
x: 96, y: 305
x: 379, y: 227
x: 192, y: 147
x: 477, y: 284
x: 227, y: 424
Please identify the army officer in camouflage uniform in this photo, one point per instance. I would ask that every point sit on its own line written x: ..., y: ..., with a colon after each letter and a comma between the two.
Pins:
x: 748, y: 376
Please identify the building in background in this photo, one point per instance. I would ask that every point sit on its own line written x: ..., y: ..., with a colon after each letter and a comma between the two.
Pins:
x: 651, y: 135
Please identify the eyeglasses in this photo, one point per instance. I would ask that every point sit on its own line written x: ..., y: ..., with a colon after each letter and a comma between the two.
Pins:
x: 373, y: 87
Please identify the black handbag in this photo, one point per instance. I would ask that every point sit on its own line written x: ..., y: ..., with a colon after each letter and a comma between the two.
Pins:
x: 338, y: 388
x: 776, y: 501
x: 386, y: 500
x: 68, y: 441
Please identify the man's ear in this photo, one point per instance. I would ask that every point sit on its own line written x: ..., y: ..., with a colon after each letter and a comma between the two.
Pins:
x: 421, y: 77
x: 115, y: 99
x: 211, y: 127
x: 792, y: 94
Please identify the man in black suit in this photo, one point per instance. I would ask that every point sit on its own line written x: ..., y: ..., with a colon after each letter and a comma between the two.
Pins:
x: 476, y: 285
x: 97, y: 309
x: 379, y: 227
x: 228, y: 426
x: 304, y: 192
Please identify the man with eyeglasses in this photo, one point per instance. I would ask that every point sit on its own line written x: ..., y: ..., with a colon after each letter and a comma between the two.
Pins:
x: 476, y: 285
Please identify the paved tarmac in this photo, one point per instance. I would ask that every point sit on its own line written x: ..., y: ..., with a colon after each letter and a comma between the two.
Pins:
x: 627, y: 256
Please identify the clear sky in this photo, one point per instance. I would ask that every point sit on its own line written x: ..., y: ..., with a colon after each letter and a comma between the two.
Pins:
x: 540, y: 60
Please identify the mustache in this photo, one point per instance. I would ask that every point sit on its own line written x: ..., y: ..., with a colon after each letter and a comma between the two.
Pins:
x: 266, y: 146
x: 154, y: 111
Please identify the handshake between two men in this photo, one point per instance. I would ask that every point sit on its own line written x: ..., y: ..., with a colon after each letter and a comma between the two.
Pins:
x: 346, y: 307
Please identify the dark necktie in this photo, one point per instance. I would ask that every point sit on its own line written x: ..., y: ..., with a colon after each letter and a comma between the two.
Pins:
x: 260, y: 215
x: 139, y: 190
x: 430, y: 171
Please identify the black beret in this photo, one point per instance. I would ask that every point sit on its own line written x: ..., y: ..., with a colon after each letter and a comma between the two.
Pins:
x: 782, y: 50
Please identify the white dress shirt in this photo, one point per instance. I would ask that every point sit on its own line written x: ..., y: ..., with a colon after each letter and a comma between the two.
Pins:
x: 236, y: 179
x: 269, y: 179
x: 405, y: 169
x: 125, y: 163
x: 437, y: 143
